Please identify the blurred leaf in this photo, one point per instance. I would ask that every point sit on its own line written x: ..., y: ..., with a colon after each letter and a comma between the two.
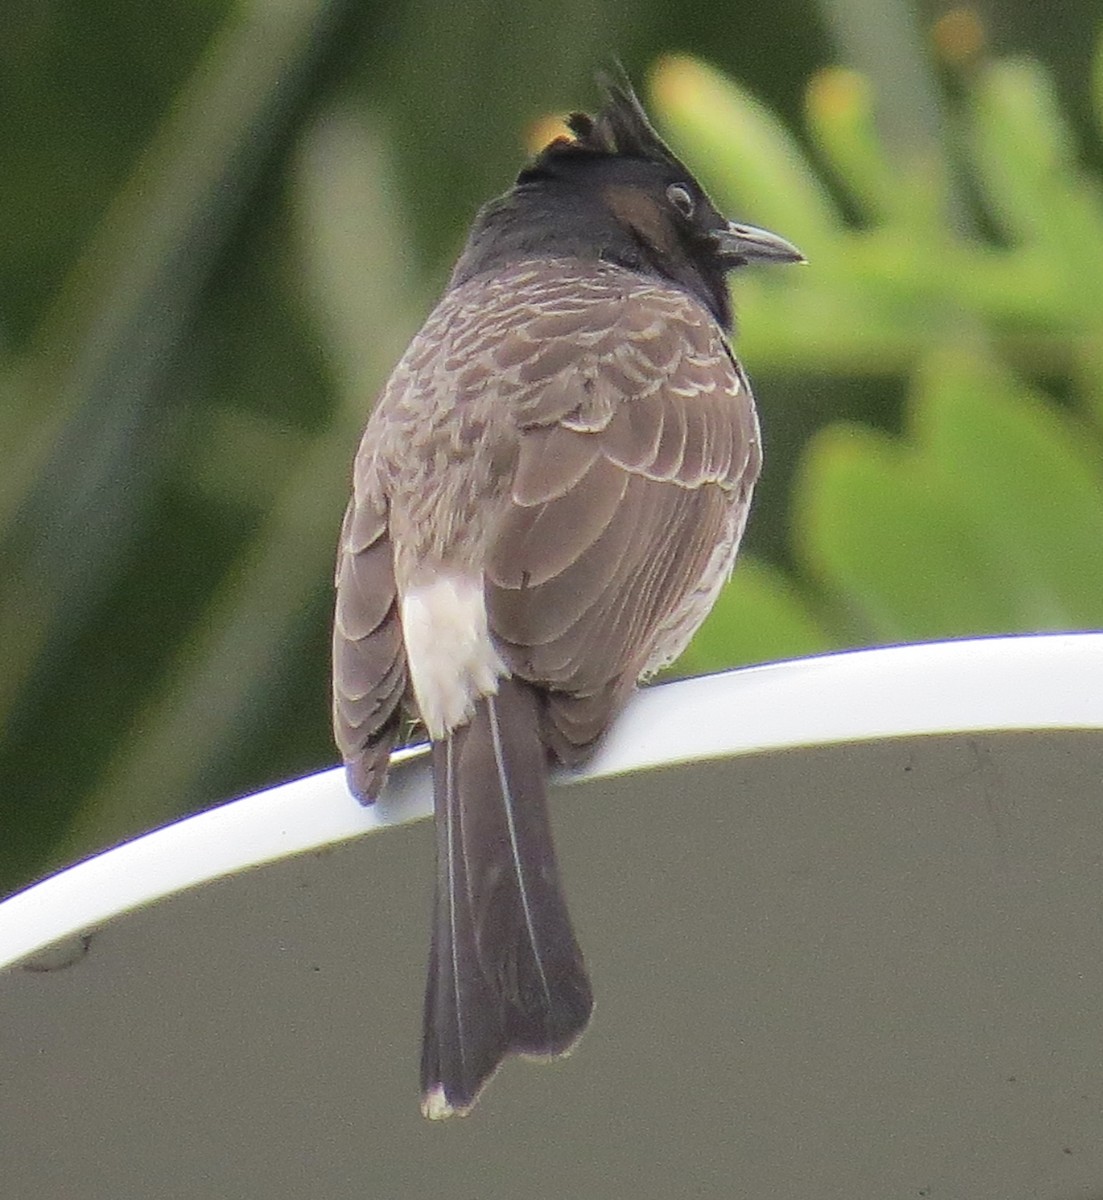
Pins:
x: 1021, y: 145
x: 85, y: 464
x: 879, y: 532
x: 1027, y: 159
x: 990, y: 520
x: 839, y: 105
x: 207, y: 707
x: 1027, y: 476
x: 885, y: 42
x: 1097, y: 80
x: 84, y: 86
x: 1087, y: 378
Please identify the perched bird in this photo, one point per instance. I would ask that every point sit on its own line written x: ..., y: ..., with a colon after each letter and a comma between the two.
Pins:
x: 548, y: 497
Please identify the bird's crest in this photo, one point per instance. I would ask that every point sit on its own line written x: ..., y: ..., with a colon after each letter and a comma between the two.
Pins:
x: 620, y: 128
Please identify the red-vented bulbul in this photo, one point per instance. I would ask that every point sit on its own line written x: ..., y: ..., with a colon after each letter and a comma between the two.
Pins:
x: 548, y: 497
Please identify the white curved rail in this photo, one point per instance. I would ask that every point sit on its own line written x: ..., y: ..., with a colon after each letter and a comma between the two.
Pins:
x: 1033, y: 682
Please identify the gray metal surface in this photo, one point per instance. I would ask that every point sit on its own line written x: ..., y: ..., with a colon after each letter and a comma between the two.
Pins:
x: 871, y: 969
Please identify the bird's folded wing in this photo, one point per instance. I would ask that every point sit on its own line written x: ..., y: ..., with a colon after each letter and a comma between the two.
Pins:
x: 368, y: 658
x: 626, y: 504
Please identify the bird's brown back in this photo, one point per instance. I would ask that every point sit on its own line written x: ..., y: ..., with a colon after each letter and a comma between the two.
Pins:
x: 580, y: 437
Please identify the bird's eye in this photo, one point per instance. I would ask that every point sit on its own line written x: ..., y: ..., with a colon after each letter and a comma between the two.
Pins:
x: 681, y: 197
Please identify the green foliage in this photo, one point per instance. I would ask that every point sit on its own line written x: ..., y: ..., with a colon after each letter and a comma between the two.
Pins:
x: 985, y: 520
x: 177, y: 426
x: 986, y: 516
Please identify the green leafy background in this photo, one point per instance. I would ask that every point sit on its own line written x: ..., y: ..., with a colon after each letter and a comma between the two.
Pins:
x: 221, y: 222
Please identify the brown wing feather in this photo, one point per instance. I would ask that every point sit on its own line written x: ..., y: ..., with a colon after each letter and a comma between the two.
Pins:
x: 369, y: 663
x: 627, y: 505
x: 535, y: 544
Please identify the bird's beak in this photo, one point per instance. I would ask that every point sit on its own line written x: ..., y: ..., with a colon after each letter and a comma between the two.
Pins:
x: 738, y: 244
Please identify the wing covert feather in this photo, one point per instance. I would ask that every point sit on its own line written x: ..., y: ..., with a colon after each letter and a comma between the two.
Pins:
x: 637, y: 460
x: 369, y: 661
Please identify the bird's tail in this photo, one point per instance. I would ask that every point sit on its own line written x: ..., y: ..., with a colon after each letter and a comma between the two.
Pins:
x: 506, y: 975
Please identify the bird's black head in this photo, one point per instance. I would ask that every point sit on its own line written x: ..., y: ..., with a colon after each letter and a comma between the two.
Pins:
x: 616, y: 191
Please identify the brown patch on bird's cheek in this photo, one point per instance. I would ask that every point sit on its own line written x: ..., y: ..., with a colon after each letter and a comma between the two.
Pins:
x: 639, y: 212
